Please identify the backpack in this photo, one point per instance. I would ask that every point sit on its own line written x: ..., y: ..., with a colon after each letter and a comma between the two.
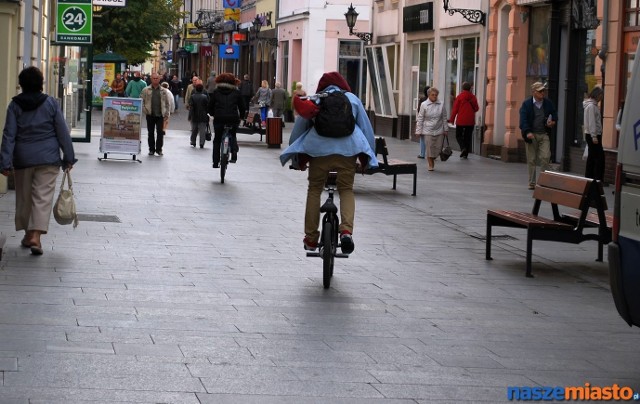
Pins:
x: 335, y: 117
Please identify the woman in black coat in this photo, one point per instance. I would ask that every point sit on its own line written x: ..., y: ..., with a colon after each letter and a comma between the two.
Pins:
x: 224, y: 106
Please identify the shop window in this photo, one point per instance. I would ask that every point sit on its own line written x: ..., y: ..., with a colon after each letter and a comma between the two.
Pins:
x: 462, y: 66
x: 382, y: 61
x: 632, y: 14
x: 538, y: 49
x: 352, y: 65
x: 284, y: 73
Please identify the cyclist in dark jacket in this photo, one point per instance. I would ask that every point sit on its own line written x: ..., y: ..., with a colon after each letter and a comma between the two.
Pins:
x: 225, y: 106
x: 198, y: 107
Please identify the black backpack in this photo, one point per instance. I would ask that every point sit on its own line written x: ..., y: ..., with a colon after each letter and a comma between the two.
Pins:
x: 335, y: 118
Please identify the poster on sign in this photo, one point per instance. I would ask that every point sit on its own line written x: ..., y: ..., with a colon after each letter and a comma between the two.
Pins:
x: 121, y: 126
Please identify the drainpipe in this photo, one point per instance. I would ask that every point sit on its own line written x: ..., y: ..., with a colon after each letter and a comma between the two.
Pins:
x: 602, y: 54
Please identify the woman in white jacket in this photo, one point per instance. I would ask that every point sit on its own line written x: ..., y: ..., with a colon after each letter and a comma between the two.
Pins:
x: 432, y: 125
x: 592, y: 127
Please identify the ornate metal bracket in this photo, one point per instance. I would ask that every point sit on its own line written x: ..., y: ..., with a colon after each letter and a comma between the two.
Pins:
x: 474, y: 16
x: 365, y: 36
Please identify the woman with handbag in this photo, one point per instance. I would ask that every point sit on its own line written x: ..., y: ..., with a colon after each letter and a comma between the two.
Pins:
x: 34, y: 133
x: 263, y: 98
x: 432, y: 125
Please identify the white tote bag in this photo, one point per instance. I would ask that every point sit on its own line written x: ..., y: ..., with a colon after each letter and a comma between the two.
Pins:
x: 64, y: 210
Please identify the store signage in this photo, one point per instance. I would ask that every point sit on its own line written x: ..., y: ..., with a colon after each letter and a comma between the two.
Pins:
x: 74, y: 22
x: 417, y: 18
x: 112, y: 3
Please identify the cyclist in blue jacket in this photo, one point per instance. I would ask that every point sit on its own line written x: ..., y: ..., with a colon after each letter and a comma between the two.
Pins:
x: 325, y: 154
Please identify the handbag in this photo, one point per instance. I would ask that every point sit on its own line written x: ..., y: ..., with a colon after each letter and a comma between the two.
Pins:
x: 446, y: 151
x: 207, y: 134
x: 64, y: 210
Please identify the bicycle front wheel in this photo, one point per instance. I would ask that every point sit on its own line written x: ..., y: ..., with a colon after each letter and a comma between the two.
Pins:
x: 327, y: 254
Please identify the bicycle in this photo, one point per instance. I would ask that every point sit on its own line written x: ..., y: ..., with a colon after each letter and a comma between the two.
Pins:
x: 225, y: 151
x: 330, y: 233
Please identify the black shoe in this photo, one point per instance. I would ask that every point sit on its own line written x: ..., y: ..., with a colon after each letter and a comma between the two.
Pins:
x: 201, y: 146
x: 215, y: 165
x: 151, y: 153
x: 346, y: 243
x: 193, y: 145
x: 159, y: 153
x: 420, y: 157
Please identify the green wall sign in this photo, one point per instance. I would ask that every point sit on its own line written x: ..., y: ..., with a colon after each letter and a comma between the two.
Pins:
x: 74, y: 22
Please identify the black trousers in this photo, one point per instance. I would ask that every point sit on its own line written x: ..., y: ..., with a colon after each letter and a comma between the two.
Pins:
x: 595, y: 161
x: 463, y: 136
x: 155, y: 124
x: 218, y: 131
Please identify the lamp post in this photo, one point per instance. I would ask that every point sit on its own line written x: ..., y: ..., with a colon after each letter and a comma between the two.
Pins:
x: 256, y: 27
x: 352, y: 16
x: 474, y: 16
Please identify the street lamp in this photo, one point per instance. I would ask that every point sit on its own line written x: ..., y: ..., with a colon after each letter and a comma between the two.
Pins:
x: 352, y: 16
x: 474, y: 16
x: 256, y: 27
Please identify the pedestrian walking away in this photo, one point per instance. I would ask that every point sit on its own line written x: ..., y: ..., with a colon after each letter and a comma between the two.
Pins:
x: 278, y: 101
x: 198, y: 107
x: 432, y: 125
x: 34, y: 134
x: 592, y: 127
x: 325, y: 154
x: 463, y: 115
x: 246, y: 92
x: 263, y: 99
x: 423, y: 144
x: 538, y: 117
x: 224, y: 106
x: 156, y: 105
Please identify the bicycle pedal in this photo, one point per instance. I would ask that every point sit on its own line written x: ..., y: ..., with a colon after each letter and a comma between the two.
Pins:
x: 313, y: 254
x: 341, y: 255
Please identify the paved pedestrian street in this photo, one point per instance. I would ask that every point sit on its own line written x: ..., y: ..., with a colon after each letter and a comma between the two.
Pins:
x: 175, y: 288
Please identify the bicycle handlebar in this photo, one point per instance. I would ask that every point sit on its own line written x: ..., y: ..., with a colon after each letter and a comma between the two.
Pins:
x: 314, y: 97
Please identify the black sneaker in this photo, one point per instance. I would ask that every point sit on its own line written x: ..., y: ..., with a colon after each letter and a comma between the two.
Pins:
x: 159, y: 153
x: 151, y: 153
x: 346, y: 243
x: 215, y: 165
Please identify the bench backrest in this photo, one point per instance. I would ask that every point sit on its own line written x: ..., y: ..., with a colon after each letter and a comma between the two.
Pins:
x: 563, y: 189
x: 381, y: 149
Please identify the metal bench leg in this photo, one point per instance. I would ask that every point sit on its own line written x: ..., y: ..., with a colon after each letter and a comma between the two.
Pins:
x: 394, y: 180
x: 415, y: 178
x: 488, y: 240
x: 600, y: 248
x: 529, y: 248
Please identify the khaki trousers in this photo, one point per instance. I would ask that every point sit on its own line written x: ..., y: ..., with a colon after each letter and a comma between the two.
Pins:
x: 538, y: 151
x: 319, y: 168
x: 35, y: 188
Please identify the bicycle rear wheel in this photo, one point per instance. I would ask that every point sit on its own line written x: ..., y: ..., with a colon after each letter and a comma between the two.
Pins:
x: 224, y: 158
x: 327, y: 254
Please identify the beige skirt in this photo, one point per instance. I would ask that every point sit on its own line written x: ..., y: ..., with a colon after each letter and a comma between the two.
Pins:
x: 434, y: 145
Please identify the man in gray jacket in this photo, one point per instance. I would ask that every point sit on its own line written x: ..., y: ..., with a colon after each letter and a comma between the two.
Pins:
x: 278, y: 101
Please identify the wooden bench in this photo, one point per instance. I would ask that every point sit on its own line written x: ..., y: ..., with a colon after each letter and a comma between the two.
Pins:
x: 558, y: 189
x: 392, y: 166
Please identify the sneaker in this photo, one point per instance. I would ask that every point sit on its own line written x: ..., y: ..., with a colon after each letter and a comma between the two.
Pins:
x: 420, y: 157
x: 159, y: 153
x: 309, y: 245
x: 151, y: 153
x: 215, y: 165
x: 532, y: 186
x: 346, y: 242
x: 193, y: 145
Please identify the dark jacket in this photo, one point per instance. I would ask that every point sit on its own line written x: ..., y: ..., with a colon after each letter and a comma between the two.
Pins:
x: 246, y: 88
x: 224, y: 104
x: 527, y: 116
x: 34, y: 133
x: 198, y: 107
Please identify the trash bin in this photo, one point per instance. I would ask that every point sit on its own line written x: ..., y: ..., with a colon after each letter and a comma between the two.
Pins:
x: 274, y: 132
